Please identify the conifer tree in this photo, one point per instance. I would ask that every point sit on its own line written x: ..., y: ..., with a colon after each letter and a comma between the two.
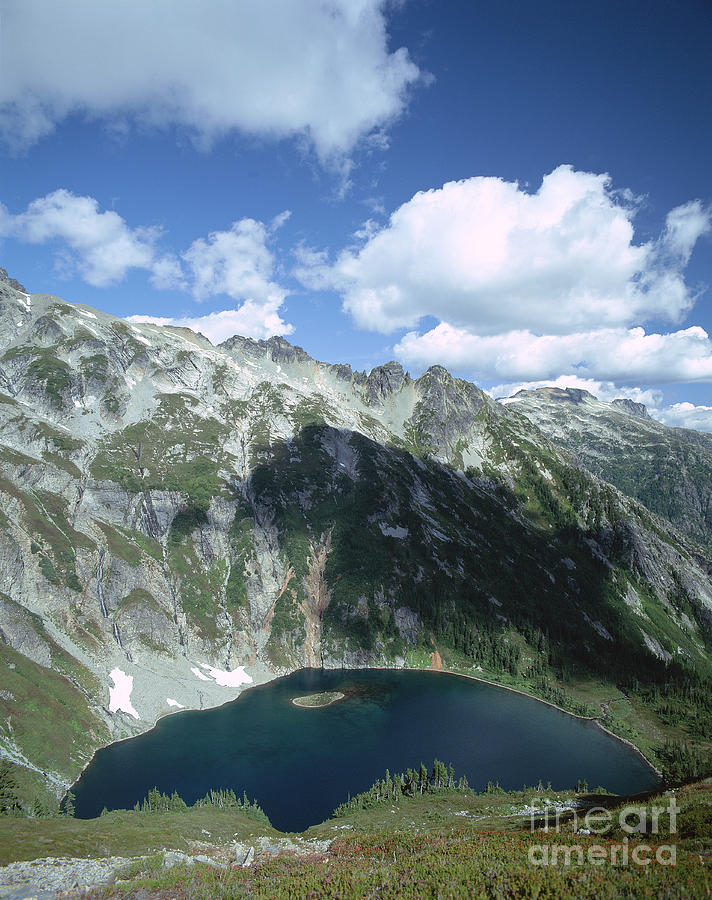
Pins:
x: 8, y: 786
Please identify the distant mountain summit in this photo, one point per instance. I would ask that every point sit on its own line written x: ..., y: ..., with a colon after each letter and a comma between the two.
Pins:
x: 635, y: 409
x: 667, y: 469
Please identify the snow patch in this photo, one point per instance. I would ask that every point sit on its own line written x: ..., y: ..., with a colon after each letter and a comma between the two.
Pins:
x: 84, y: 312
x: 91, y: 329
x: 235, y: 678
x: 199, y: 674
x: 120, y: 693
x: 139, y: 337
x: 171, y: 702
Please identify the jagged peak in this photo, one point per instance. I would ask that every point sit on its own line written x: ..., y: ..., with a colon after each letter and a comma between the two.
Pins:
x: 385, y: 380
x: 639, y: 410
x: 11, y: 282
x: 344, y: 372
x: 437, y: 378
x: 392, y: 366
x: 438, y: 372
x: 276, y: 347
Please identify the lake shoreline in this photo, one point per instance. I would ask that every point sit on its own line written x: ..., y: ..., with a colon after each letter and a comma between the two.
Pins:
x: 276, y: 676
x: 594, y: 719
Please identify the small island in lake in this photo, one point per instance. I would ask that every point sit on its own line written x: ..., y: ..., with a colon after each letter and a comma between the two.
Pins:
x: 325, y: 698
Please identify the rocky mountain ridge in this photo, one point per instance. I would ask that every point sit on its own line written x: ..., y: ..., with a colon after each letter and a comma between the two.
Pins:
x: 179, y: 520
x: 667, y: 469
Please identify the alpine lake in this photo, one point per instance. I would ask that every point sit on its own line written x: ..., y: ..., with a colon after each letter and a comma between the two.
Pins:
x: 300, y: 762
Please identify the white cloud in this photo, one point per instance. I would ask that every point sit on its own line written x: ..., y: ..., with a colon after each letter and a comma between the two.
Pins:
x: 317, y: 69
x: 687, y: 415
x: 684, y: 225
x: 256, y: 320
x: 526, y: 286
x: 484, y: 255
x: 312, y: 268
x: 625, y: 356
x: 237, y: 262
x: 104, y: 248
x: 167, y: 274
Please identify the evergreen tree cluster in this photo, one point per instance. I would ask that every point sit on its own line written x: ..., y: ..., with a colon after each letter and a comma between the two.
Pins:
x: 227, y: 799
x: 683, y: 700
x: 9, y: 803
x: 410, y: 783
x: 157, y: 802
x: 683, y: 762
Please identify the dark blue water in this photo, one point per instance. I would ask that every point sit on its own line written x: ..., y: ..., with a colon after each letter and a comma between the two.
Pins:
x: 301, y: 763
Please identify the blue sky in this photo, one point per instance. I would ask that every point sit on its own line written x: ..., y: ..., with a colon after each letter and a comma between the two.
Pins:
x: 519, y: 191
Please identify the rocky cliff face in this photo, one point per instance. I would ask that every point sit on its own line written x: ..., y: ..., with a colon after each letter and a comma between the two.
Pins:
x: 178, y: 520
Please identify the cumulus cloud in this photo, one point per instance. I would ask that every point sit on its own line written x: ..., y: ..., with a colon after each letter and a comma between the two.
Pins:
x: 103, y: 247
x: 256, y: 320
x: 237, y: 262
x: 625, y: 356
x: 683, y: 226
x: 526, y: 285
x: 687, y: 415
x: 167, y: 274
x: 318, y: 69
x: 485, y: 255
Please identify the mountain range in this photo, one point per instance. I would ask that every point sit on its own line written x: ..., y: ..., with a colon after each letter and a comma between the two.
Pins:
x: 179, y: 520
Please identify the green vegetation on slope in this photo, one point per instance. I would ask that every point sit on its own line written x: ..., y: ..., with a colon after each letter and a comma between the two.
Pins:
x: 435, y: 845
x: 46, y: 712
